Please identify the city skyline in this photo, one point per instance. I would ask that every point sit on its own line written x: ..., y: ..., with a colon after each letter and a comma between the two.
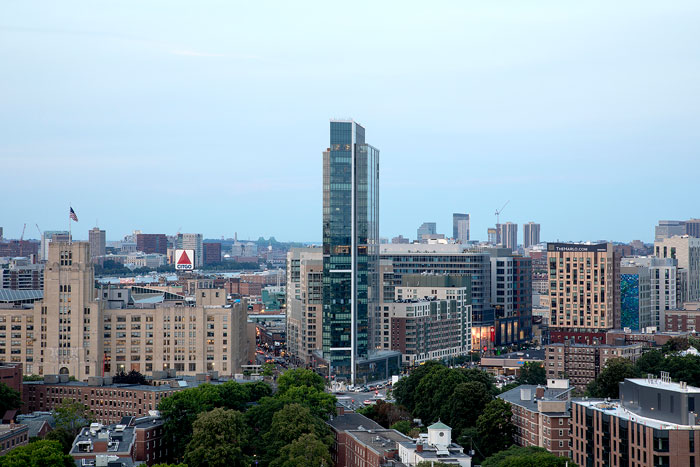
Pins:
x: 175, y: 110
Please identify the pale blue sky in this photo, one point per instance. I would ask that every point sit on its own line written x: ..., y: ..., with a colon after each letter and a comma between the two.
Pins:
x: 212, y: 116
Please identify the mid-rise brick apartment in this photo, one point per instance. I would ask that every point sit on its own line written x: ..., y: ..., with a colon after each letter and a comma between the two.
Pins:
x: 134, y: 440
x: 12, y: 435
x: 542, y: 415
x: 11, y: 375
x: 584, y: 291
x: 152, y: 243
x: 107, y: 402
x: 581, y: 363
x: 685, y: 320
x: 653, y: 423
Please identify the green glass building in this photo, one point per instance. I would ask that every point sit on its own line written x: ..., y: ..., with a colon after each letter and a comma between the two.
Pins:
x: 350, y: 248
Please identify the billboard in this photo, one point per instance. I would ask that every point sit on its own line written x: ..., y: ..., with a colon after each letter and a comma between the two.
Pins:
x: 577, y: 247
x: 184, y: 260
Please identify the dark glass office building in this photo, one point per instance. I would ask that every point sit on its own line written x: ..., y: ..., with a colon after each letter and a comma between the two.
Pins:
x: 350, y: 248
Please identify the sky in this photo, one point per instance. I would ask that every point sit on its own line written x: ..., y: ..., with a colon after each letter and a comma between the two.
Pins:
x: 212, y: 117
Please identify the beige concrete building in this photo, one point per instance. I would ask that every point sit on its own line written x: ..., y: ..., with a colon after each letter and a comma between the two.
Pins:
x: 304, y: 302
x: 583, y: 289
x: 686, y: 251
x: 71, y: 332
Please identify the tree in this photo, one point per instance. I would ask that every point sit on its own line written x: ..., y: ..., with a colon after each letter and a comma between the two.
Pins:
x: 494, y: 427
x: 532, y: 373
x: 267, y: 369
x: 321, y: 403
x: 72, y: 415
x: 403, y: 426
x: 385, y: 413
x: 9, y: 399
x: 218, y: 439
x: 258, y: 390
x: 234, y: 395
x: 133, y: 377
x: 180, y: 410
x: 405, y: 388
x: 300, y: 377
x: 305, y: 451
x: 517, y: 456
x: 465, y: 404
x: 684, y: 368
x: 675, y: 344
x: 289, y: 424
x: 43, y: 453
x: 607, y: 382
x: 652, y: 361
x: 63, y: 436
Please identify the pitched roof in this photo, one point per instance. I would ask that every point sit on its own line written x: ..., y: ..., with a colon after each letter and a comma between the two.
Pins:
x: 439, y: 426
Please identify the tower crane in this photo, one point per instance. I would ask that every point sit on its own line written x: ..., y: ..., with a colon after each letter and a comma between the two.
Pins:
x: 21, y: 237
x: 37, y: 228
x: 499, y: 211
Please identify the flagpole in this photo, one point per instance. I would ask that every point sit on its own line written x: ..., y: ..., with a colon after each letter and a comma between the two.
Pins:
x: 70, y: 224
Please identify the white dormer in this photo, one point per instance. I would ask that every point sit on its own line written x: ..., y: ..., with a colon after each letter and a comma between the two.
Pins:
x: 439, y: 434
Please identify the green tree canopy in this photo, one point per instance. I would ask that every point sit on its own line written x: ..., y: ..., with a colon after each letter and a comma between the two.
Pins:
x: 385, y: 413
x: 607, y: 382
x: 306, y: 451
x: 63, y: 436
x: 43, y: 453
x: 405, y: 389
x: 494, y: 427
x: 9, y: 399
x: 321, y: 403
x: 403, y: 426
x: 72, y: 415
x: 651, y: 361
x: 465, y: 404
x: 133, y: 377
x: 517, y: 456
x: 218, y: 439
x: 532, y: 373
x: 290, y: 423
x: 300, y: 377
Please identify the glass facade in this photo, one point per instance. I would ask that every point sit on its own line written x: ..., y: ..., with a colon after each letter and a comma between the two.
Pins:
x: 350, y: 247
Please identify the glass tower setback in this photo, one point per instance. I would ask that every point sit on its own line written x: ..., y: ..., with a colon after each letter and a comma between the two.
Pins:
x: 350, y: 247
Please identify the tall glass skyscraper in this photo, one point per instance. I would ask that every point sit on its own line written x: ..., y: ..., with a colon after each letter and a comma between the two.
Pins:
x: 350, y: 248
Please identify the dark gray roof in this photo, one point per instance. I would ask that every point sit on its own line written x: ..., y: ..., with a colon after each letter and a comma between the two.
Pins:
x: 380, y: 441
x: 35, y: 421
x: 353, y: 421
x: 513, y: 396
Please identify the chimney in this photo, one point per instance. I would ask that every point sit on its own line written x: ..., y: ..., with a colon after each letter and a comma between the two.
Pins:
x: 539, y: 392
x: 419, y: 447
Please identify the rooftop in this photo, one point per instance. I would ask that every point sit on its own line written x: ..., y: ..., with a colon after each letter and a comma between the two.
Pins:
x: 615, y: 408
x: 514, y: 396
x: 353, y: 421
x: 381, y: 441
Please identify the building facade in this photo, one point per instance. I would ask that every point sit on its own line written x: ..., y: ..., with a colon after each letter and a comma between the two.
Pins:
x: 635, y: 296
x: 212, y: 252
x: 460, y: 227
x: 531, y: 234
x: 542, y: 415
x: 426, y: 228
x: 152, y: 243
x: 686, y: 251
x: 304, y: 299
x: 98, y: 242
x: 509, y: 235
x: 653, y: 423
x: 582, y: 363
x: 192, y: 241
x: 430, y: 318
x: 22, y: 274
x: 583, y: 290
x: 350, y: 247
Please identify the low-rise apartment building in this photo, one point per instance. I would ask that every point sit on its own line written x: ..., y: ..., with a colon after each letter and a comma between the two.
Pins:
x: 542, y: 415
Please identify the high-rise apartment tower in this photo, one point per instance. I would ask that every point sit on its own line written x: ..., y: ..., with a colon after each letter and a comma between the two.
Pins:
x: 460, y: 227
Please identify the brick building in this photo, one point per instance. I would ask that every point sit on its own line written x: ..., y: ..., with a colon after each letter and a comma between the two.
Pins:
x: 542, y: 416
x: 11, y: 374
x: 133, y: 440
x: 653, y: 423
x: 107, y: 402
x: 152, y: 243
x: 581, y: 363
x: 212, y: 252
x: 685, y: 320
x: 12, y: 435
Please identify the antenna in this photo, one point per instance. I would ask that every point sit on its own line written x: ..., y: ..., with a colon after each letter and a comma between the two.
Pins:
x: 499, y: 211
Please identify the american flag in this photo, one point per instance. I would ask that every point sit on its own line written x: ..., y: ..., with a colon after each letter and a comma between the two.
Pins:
x: 72, y: 215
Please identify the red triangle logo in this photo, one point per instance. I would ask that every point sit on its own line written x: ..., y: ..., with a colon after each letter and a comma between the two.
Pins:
x: 184, y: 259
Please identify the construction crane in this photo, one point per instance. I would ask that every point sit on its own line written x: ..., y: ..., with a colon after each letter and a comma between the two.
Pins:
x: 37, y: 228
x: 498, y: 213
x: 21, y: 237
